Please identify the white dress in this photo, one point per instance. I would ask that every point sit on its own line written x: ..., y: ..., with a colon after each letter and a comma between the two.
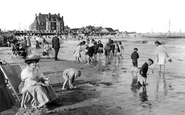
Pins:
x: 77, y: 51
x: 35, y: 93
x: 162, y: 54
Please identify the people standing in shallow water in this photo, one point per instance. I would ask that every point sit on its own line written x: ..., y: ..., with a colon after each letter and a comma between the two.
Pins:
x: 161, y: 55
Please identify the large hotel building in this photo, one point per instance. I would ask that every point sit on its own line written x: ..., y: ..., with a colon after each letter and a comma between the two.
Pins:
x: 48, y: 23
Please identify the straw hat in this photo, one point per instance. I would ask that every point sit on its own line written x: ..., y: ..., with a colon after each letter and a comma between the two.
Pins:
x: 32, y: 58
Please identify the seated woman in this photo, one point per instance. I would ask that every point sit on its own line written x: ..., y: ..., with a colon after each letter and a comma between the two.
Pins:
x: 35, y: 86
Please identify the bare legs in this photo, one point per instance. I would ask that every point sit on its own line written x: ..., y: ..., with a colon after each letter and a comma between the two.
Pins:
x: 63, y: 87
x: 70, y: 84
x: 160, y: 68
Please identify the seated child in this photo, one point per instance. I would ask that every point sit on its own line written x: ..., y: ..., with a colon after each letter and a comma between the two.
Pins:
x: 46, y: 50
x: 69, y: 75
x: 143, y: 72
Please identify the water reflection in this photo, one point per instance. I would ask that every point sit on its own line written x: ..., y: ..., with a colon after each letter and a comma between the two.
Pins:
x: 161, y: 83
x: 143, y: 94
x: 135, y: 87
x: 116, y: 70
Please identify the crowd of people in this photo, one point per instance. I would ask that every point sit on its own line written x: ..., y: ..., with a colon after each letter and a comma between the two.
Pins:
x: 35, y: 88
x: 94, y: 50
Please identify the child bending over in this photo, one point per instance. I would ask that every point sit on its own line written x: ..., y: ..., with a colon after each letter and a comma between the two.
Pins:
x: 143, y: 72
x: 69, y: 76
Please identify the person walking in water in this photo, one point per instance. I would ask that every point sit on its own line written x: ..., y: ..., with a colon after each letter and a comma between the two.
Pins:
x: 143, y: 72
x: 134, y: 57
x: 161, y: 56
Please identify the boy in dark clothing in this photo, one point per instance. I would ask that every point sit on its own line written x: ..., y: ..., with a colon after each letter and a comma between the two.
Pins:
x: 143, y: 72
x: 134, y: 57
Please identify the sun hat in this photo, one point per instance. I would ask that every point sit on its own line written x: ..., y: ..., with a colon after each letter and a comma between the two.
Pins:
x: 32, y: 58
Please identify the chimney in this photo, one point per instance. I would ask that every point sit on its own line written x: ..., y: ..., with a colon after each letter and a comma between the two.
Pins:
x: 58, y: 14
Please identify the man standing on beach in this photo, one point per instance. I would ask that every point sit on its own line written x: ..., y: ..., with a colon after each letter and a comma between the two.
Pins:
x: 56, y: 45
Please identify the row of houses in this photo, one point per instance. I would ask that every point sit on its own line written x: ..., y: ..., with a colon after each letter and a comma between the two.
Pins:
x: 95, y: 31
x: 54, y: 23
x: 91, y: 30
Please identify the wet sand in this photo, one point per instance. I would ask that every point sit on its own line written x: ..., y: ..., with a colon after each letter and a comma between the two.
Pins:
x: 111, y: 90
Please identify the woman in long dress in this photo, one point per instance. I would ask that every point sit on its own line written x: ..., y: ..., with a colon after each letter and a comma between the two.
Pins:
x: 36, y: 89
x: 161, y: 55
x: 6, y: 98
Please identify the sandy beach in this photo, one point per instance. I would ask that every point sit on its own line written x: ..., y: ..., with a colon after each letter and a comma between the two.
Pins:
x: 111, y: 90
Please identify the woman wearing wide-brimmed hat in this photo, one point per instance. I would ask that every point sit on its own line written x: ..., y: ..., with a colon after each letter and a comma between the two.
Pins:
x: 35, y: 86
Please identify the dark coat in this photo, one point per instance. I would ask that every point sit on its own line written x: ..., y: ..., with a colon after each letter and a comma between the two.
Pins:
x: 144, y: 69
x: 55, y: 42
x: 134, y: 56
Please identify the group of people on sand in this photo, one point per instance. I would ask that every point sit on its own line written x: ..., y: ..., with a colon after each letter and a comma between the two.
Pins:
x: 35, y: 87
x: 161, y: 58
x: 94, y: 50
x: 21, y: 46
x: 36, y: 90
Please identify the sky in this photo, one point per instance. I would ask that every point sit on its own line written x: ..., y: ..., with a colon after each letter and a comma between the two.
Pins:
x: 125, y: 15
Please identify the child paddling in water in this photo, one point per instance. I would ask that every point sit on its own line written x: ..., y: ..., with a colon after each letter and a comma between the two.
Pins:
x: 143, y: 72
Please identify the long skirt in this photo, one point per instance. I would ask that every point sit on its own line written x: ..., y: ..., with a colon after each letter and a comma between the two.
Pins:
x: 37, y: 96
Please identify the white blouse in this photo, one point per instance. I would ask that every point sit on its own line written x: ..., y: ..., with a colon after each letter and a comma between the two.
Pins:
x: 30, y: 78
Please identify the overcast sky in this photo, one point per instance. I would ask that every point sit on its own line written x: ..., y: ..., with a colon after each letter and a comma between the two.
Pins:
x: 125, y: 15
